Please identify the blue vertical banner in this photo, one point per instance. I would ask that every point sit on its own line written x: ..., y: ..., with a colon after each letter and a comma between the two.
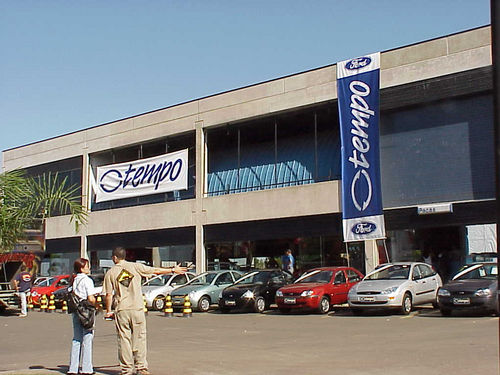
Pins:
x: 358, y: 86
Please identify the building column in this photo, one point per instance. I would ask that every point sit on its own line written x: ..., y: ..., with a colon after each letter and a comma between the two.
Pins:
x: 155, y: 255
x: 371, y: 255
x: 199, y: 213
x: 86, y: 194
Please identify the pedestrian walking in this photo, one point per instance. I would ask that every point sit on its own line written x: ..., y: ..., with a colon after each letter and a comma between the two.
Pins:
x: 81, y: 345
x: 123, y: 283
x: 22, y: 284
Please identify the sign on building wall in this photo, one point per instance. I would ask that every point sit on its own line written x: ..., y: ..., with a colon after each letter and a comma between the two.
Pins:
x: 358, y: 82
x: 158, y: 174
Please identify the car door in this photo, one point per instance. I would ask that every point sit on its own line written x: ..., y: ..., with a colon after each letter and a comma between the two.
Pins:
x: 429, y: 283
x: 419, y: 285
x: 221, y: 281
x: 340, y: 288
x: 276, y: 281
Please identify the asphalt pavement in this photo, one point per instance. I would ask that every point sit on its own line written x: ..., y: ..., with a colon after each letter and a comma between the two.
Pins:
x: 271, y: 343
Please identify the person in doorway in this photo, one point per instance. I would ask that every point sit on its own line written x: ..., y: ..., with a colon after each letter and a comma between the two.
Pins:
x: 22, y: 284
x: 81, y: 345
x: 288, y: 261
x: 123, y: 283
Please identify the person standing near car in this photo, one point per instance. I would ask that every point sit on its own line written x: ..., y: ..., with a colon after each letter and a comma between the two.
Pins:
x: 288, y: 261
x: 81, y: 345
x: 22, y: 284
x: 123, y: 283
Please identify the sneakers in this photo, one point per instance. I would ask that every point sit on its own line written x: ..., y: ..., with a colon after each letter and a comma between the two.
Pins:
x: 22, y: 315
x: 143, y: 372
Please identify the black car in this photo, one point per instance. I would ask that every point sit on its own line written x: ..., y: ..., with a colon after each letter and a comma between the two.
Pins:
x: 475, y: 288
x: 254, y: 291
x: 60, y: 294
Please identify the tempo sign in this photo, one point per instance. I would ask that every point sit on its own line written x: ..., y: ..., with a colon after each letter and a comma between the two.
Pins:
x: 439, y: 208
x: 158, y: 174
x: 358, y: 82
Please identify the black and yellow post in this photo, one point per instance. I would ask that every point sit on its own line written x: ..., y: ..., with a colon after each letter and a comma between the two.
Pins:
x: 52, y: 304
x: 43, y: 303
x: 30, y: 303
x: 64, y: 308
x: 100, y: 306
x: 187, y: 312
x: 145, y: 305
x: 169, y: 311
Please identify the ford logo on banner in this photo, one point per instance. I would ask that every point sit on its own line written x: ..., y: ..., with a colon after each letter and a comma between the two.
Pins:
x: 364, y: 227
x: 358, y: 63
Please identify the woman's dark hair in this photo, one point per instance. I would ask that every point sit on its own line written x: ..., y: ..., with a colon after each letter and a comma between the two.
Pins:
x: 79, y: 264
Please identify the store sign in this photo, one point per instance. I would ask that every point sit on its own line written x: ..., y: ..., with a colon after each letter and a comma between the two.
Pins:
x: 358, y: 82
x: 158, y: 174
x: 430, y: 209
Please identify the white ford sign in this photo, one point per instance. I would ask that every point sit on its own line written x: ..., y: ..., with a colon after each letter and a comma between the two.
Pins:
x: 158, y: 174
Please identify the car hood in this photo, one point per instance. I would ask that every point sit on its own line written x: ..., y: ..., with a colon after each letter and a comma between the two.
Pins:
x: 300, y: 287
x: 42, y: 290
x: 184, y: 290
x: 238, y: 290
x: 468, y: 285
x: 377, y: 285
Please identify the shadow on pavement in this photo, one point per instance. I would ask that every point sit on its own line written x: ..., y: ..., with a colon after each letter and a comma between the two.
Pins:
x: 63, y: 369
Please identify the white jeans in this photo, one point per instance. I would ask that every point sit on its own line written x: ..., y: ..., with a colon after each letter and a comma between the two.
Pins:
x: 22, y: 296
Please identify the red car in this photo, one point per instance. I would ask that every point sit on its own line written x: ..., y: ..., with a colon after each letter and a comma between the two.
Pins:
x: 48, y: 286
x: 318, y: 289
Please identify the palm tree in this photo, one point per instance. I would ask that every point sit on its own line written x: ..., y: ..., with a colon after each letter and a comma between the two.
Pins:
x: 25, y: 202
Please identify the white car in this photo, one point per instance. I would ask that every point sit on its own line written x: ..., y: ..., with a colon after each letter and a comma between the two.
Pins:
x: 399, y: 285
x: 158, y: 287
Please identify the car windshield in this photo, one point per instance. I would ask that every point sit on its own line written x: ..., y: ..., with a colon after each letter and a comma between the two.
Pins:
x: 393, y: 272
x: 158, y: 280
x: 203, y: 279
x: 255, y: 278
x: 45, y: 282
x: 478, y: 272
x: 317, y: 276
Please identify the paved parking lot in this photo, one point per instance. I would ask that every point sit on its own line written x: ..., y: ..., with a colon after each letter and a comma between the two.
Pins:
x: 239, y: 343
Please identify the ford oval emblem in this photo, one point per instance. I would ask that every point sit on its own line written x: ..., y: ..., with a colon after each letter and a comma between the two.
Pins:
x: 358, y: 63
x: 364, y: 227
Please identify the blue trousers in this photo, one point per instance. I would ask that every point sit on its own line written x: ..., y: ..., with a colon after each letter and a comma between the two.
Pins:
x: 81, y: 348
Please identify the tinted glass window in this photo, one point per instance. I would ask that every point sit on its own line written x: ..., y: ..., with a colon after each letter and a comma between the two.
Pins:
x: 425, y: 271
x: 353, y: 276
x: 225, y: 278
x: 339, y: 277
x: 180, y: 279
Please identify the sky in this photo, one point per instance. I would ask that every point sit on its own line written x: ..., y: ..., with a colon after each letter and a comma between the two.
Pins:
x: 70, y: 65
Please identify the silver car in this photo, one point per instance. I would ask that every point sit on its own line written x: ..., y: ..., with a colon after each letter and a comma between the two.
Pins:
x: 204, y: 289
x: 399, y: 285
x: 157, y: 288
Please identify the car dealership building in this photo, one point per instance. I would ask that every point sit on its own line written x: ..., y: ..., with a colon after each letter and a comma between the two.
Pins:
x: 264, y: 170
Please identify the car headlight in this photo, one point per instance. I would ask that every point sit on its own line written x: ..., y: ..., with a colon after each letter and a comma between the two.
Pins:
x: 306, y: 293
x: 279, y: 293
x: 444, y: 293
x: 484, y: 292
x: 390, y: 290
x: 248, y: 294
x: 191, y: 294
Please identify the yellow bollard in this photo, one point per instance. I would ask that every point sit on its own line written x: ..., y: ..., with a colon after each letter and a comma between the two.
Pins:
x: 169, y: 311
x: 30, y: 303
x: 145, y: 305
x: 52, y: 304
x: 99, y: 303
x: 187, y: 312
x: 43, y: 303
x: 64, y: 308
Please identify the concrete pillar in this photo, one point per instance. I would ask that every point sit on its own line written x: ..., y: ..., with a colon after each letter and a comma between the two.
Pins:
x: 371, y: 255
x: 199, y: 213
x: 155, y: 254
x: 86, y: 194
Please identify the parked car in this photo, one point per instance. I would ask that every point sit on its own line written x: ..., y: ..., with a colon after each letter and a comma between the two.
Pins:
x: 254, y: 291
x: 204, y: 289
x: 475, y: 288
x: 318, y: 289
x: 60, y: 294
x: 157, y: 288
x: 48, y: 286
x: 399, y: 285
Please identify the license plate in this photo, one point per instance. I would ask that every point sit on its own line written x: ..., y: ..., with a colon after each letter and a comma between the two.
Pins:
x: 230, y: 303
x: 367, y: 299
x: 290, y: 300
x: 178, y: 301
x: 461, y: 301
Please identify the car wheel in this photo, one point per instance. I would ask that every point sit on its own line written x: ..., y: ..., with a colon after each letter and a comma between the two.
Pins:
x: 259, y: 305
x: 407, y: 304
x: 284, y: 310
x: 159, y: 303
x: 445, y: 312
x: 324, y: 305
x: 204, y: 304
